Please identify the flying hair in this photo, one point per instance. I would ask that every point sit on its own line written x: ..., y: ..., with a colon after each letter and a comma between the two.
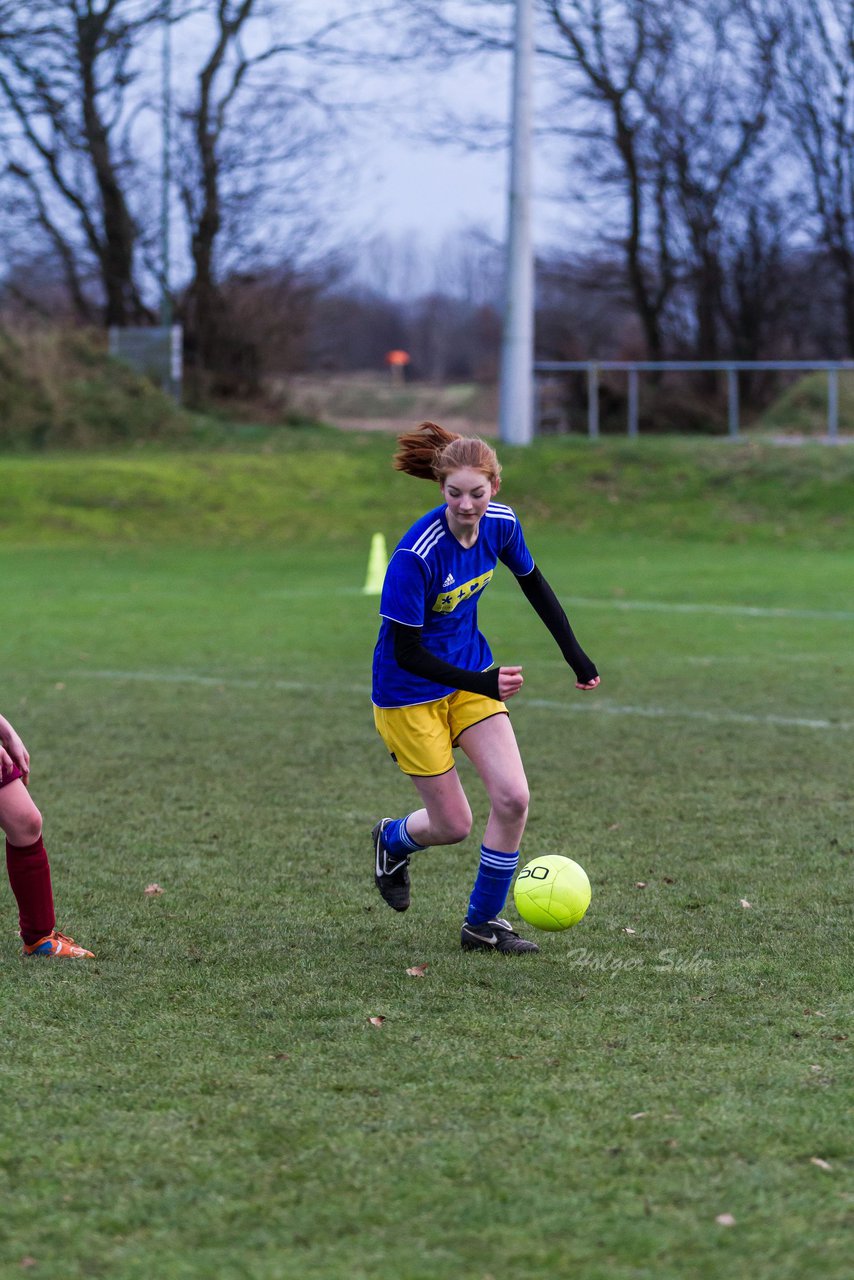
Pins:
x: 432, y: 453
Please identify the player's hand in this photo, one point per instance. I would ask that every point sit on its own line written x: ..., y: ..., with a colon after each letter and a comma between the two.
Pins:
x: 12, y: 750
x: 7, y: 765
x: 509, y: 682
x: 590, y: 684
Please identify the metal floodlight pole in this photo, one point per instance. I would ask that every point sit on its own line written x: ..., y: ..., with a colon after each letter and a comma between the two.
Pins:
x: 516, y: 403
x: 166, y: 174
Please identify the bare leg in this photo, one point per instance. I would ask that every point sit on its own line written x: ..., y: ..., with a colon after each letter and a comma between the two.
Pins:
x: 19, y: 817
x: 492, y: 748
x: 446, y: 817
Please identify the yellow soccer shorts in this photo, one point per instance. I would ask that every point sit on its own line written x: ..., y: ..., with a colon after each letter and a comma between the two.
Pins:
x: 421, y: 738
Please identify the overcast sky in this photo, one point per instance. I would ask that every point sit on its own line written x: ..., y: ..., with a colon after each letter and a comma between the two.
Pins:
x: 410, y: 185
x: 400, y: 180
x: 406, y: 182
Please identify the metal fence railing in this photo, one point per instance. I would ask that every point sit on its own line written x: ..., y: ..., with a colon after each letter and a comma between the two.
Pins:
x: 731, y: 368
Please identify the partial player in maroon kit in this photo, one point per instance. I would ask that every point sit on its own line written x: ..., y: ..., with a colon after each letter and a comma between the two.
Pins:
x: 26, y: 859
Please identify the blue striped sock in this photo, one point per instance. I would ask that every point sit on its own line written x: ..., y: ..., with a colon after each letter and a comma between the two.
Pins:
x: 494, y: 876
x: 397, y: 839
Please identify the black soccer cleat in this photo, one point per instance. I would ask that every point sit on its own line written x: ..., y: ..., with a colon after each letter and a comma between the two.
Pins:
x: 391, y: 875
x: 494, y: 935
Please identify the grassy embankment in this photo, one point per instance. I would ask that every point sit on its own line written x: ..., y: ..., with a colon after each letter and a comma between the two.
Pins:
x: 315, y: 484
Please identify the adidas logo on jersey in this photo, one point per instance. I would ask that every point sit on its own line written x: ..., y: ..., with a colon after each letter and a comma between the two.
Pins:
x: 449, y: 581
x: 447, y: 601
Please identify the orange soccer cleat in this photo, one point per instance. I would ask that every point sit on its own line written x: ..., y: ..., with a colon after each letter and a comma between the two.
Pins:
x: 60, y: 945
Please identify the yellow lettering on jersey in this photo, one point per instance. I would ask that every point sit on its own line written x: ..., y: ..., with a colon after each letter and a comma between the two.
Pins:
x: 448, y: 600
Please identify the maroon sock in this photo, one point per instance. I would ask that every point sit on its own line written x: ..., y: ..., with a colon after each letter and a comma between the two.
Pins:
x: 29, y: 876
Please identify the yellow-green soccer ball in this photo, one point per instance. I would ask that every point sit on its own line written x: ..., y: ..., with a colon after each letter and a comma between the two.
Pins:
x: 552, y: 892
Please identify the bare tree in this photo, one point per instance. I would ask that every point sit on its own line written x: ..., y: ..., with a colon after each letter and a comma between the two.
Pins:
x: 660, y: 110
x: 602, y: 60
x: 711, y: 112
x: 611, y: 56
x: 815, y: 95
x: 65, y: 76
x: 255, y: 133
x: 223, y: 151
x: 77, y: 99
x: 679, y: 98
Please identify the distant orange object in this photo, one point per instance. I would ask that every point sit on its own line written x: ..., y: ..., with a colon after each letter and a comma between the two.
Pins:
x: 397, y: 358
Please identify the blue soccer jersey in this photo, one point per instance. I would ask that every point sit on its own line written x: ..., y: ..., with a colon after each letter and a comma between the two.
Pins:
x: 434, y: 582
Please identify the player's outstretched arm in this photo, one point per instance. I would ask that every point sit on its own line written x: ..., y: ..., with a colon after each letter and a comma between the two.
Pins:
x: 547, y: 606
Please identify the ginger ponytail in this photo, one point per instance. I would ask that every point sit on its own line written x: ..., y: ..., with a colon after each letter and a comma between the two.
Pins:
x: 432, y: 453
x: 418, y: 450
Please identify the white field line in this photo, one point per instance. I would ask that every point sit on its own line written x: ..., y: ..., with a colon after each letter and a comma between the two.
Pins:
x: 722, y: 610
x: 729, y: 659
x: 685, y: 713
x: 589, y: 602
x: 223, y: 682
x: 595, y: 705
x: 736, y: 610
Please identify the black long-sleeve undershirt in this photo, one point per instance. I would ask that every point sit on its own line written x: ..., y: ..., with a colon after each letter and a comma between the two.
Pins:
x: 546, y: 604
x: 411, y: 654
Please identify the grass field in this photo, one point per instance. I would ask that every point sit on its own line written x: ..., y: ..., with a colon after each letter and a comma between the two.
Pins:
x: 186, y: 652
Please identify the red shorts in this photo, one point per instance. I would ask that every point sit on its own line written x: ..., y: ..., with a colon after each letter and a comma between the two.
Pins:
x: 8, y: 774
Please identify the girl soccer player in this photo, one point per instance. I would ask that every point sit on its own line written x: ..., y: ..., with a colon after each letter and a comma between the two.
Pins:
x: 434, y: 685
x: 26, y: 859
